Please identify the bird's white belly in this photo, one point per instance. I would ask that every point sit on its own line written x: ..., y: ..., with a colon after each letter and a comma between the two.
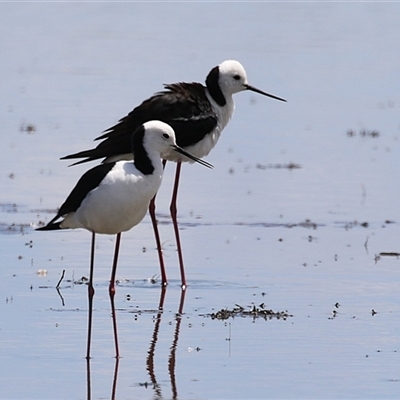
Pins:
x: 117, y: 205
x: 115, y: 217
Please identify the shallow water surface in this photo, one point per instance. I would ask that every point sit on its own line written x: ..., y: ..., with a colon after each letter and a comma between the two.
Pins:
x: 300, y: 214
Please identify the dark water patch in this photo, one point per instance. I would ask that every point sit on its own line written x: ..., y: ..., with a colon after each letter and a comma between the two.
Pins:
x: 143, y: 282
x: 14, y: 228
x: 44, y: 210
x: 154, y: 282
x: 365, y: 224
x: 10, y: 207
x: 305, y: 224
x: 308, y: 224
x: 138, y: 311
x: 352, y: 224
x: 14, y: 208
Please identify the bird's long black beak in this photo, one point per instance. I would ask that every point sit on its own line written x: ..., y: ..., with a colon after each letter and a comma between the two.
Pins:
x: 253, y: 89
x: 191, y: 156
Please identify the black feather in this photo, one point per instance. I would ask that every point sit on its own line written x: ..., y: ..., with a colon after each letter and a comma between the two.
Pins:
x: 89, y: 181
x: 50, y: 227
x: 142, y: 161
x: 212, y: 82
x: 184, y: 106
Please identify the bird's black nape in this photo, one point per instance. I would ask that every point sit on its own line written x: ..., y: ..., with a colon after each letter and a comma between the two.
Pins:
x: 141, y: 159
x: 212, y: 82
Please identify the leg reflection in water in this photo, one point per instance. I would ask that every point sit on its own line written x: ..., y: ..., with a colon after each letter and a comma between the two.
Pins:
x: 171, y: 360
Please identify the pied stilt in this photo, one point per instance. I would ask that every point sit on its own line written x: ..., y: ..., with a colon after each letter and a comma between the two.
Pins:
x: 197, y: 113
x: 114, y: 197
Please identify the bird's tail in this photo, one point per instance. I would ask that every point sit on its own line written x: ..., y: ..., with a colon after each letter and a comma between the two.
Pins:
x: 108, y: 148
x: 88, y: 155
x: 51, y: 226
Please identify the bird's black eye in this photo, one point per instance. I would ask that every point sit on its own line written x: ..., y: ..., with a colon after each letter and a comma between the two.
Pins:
x: 166, y: 136
x: 236, y: 77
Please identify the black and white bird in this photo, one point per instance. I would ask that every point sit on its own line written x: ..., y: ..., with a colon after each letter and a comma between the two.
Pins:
x: 197, y: 113
x: 114, y: 197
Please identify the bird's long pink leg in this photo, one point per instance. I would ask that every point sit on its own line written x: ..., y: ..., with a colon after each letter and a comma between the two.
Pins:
x: 90, y: 297
x: 111, y: 291
x: 173, y: 210
x: 152, y: 211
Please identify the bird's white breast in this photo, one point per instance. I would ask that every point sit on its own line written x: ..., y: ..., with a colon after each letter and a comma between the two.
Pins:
x: 119, y: 203
x: 204, y: 146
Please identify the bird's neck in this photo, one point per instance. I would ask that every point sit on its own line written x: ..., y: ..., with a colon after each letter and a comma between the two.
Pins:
x: 213, y: 87
x: 143, y: 160
x: 224, y: 113
x: 148, y: 162
x: 217, y: 95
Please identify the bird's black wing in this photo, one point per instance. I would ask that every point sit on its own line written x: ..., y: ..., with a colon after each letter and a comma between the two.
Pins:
x: 88, y: 181
x: 184, y: 106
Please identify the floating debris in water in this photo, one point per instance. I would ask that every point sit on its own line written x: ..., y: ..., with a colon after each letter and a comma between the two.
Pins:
x: 305, y: 224
x: 81, y: 281
x: 289, y: 166
x: 27, y: 128
x: 253, y: 311
x: 353, y: 224
x: 388, y: 221
x: 386, y: 254
x: 363, y: 133
x: 389, y: 254
x: 153, y: 280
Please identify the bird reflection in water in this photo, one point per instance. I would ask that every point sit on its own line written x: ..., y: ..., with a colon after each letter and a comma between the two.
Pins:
x: 172, y: 356
x: 150, y: 367
x: 89, y: 383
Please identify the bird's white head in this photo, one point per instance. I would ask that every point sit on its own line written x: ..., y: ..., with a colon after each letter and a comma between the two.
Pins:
x: 229, y: 78
x: 232, y: 77
x: 160, y: 137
